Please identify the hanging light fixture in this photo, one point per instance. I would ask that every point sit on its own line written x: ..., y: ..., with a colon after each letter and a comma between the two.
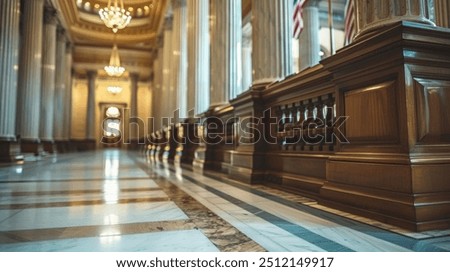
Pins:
x: 115, y: 16
x: 114, y: 89
x: 114, y: 68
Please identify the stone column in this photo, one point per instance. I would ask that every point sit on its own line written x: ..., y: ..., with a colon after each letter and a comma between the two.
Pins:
x: 372, y: 15
x: 60, y: 89
x: 309, y: 41
x: 157, y: 100
x: 247, y: 68
x: 9, y: 58
x: 179, y: 58
x: 90, y: 116
x: 272, y: 42
x: 198, y: 56
x: 134, y: 128
x: 226, y: 36
x: 48, y: 80
x: 167, y: 92
x: 29, y: 101
x: 442, y: 13
x: 68, y: 96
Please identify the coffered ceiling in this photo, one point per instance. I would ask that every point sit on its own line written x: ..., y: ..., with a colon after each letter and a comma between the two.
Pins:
x: 93, y: 40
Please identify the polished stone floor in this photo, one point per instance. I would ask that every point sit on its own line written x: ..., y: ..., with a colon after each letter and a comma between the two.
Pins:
x: 113, y: 200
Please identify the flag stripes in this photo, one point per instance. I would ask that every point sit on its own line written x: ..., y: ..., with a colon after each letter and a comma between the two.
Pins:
x: 349, y: 27
x: 298, y: 17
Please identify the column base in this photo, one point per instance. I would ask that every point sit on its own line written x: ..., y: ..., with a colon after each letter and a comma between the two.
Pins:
x: 31, y: 146
x: 10, y: 151
x: 49, y: 147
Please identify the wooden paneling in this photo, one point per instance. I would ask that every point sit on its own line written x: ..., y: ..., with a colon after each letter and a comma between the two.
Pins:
x: 433, y: 111
x: 372, y: 114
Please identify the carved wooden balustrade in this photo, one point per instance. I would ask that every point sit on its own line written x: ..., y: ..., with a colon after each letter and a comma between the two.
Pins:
x: 365, y: 131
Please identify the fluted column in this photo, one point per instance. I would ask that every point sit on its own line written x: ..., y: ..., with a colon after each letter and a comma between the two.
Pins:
x: 372, y: 15
x: 198, y: 55
x: 226, y: 36
x: 90, y: 116
x: 309, y: 41
x: 9, y: 58
x: 157, y: 102
x: 68, y: 92
x: 167, y: 91
x: 442, y: 13
x: 60, y: 86
x: 30, y: 72
x: 179, y: 58
x: 48, y: 79
x: 272, y: 42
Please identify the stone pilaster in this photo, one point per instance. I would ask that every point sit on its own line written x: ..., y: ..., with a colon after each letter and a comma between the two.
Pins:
x: 226, y: 36
x: 9, y: 58
x: 272, y: 42
x: 309, y: 41
x: 373, y: 15
x: 167, y: 91
x: 48, y: 80
x: 29, y: 101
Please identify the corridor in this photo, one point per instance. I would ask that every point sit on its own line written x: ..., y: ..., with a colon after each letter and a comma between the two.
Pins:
x: 113, y: 200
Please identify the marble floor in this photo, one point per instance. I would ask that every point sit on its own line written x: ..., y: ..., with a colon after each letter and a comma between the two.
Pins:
x: 113, y: 200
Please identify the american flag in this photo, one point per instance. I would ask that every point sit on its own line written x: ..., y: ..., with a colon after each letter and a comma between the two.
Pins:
x: 298, y: 17
x: 349, y: 22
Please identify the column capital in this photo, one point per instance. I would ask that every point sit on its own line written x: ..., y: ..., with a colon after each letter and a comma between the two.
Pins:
x: 50, y: 16
x: 134, y: 76
x: 69, y: 46
x: 168, y: 22
x: 91, y: 74
x: 61, y: 34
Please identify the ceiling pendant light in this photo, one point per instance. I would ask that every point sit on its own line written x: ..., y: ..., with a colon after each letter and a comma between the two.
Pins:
x: 114, y: 69
x: 114, y: 89
x: 115, y: 16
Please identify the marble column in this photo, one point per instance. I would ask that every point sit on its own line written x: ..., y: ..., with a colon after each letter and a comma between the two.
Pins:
x: 226, y: 36
x: 9, y: 58
x: 134, y: 129
x: 157, y: 102
x: 272, y: 42
x: 309, y: 40
x: 68, y: 95
x: 90, y: 116
x: 373, y: 15
x: 179, y: 58
x: 60, y: 89
x: 198, y: 56
x: 48, y: 80
x: 247, y: 67
x: 442, y: 13
x: 30, y: 72
x: 167, y: 85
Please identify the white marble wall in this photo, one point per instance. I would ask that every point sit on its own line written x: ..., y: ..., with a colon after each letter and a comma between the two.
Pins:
x: 9, y: 61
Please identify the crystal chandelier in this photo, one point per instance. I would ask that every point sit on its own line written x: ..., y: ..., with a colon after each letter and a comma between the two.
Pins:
x: 114, y: 89
x: 115, y: 16
x: 114, y: 68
